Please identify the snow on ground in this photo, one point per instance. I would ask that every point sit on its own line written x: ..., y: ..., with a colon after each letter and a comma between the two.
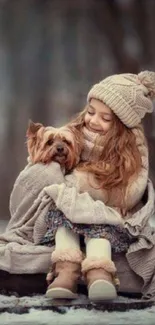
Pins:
x: 80, y: 317
x: 69, y: 316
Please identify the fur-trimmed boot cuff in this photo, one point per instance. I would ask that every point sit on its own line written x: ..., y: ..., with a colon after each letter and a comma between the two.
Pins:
x: 69, y: 255
x: 98, y: 263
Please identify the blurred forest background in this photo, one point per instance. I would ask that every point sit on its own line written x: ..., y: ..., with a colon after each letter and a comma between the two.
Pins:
x: 51, y: 52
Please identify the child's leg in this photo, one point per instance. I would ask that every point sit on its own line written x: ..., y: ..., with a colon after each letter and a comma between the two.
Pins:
x: 67, y: 258
x: 66, y: 239
x: 99, y: 269
x: 98, y: 248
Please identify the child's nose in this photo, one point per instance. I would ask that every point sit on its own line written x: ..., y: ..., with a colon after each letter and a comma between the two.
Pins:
x: 95, y: 120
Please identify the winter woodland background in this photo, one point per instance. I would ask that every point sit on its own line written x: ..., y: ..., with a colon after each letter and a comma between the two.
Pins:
x: 51, y: 52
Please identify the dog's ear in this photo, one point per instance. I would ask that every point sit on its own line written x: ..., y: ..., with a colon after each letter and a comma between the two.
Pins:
x: 32, y: 129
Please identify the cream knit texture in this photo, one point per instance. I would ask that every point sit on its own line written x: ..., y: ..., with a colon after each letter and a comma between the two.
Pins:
x: 28, y: 205
x: 128, y: 95
x: 90, y: 139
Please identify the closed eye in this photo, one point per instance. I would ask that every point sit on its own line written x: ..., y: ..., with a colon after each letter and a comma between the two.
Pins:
x: 90, y: 113
x: 106, y: 119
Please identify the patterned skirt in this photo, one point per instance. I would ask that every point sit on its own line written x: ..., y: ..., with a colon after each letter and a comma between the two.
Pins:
x: 118, y: 236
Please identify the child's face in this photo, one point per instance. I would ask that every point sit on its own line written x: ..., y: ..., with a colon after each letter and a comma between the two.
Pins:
x: 98, y: 117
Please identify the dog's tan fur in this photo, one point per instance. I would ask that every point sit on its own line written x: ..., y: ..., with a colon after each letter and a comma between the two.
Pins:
x: 62, y: 145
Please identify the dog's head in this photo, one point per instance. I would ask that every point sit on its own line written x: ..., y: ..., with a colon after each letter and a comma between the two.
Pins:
x: 62, y: 145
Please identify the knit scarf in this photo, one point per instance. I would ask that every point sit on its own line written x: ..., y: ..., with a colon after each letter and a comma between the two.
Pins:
x: 92, y: 150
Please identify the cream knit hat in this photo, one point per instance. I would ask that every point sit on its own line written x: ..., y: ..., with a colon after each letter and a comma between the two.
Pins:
x: 128, y: 95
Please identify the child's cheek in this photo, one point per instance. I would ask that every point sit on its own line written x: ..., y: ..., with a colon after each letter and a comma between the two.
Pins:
x: 86, y: 119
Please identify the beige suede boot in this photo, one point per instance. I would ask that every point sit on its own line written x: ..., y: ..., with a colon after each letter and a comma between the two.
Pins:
x: 99, y: 270
x: 67, y: 272
x: 99, y: 276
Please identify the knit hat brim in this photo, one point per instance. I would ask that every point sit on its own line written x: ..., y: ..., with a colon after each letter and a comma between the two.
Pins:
x: 116, y: 103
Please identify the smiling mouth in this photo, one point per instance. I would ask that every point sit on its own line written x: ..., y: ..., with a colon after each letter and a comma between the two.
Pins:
x: 94, y: 130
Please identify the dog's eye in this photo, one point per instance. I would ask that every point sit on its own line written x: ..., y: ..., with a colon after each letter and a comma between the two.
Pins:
x: 67, y: 142
x: 49, y: 142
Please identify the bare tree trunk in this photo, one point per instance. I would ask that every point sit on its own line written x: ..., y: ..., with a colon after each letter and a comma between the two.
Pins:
x: 107, y: 16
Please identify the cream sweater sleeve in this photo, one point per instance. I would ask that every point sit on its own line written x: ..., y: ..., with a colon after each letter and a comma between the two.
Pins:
x: 80, y: 207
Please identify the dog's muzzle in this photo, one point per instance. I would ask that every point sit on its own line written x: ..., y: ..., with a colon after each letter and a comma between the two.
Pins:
x: 60, y: 149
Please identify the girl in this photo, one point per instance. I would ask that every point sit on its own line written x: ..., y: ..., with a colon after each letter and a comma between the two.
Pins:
x: 111, y: 120
x: 129, y: 97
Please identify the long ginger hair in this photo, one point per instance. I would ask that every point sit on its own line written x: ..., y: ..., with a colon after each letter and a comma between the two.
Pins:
x: 120, y: 158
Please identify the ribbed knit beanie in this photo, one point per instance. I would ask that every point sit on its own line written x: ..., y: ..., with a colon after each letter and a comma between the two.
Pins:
x: 129, y: 96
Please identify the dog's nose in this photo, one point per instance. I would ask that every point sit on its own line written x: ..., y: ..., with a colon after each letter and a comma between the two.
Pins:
x: 60, y: 148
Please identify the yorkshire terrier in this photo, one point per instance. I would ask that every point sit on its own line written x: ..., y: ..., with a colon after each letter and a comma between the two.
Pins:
x: 63, y: 145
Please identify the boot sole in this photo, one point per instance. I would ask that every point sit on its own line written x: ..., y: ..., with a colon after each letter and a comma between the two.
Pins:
x: 102, y: 290
x: 60, y: 293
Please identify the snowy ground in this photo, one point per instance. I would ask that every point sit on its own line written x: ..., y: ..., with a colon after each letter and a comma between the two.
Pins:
x: 67, y: 316
x: 76, y: 317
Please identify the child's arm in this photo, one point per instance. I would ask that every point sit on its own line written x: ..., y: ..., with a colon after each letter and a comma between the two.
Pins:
x: 81, y: 208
